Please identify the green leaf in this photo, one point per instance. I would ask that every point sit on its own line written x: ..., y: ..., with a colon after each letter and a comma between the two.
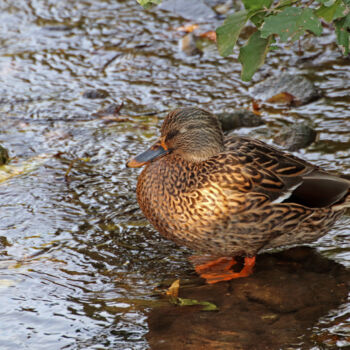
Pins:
x: 257, y: 4
x: 258, y: 19
x: 342, y: 28
x: 228, y: 33
x: 207, y: 306
x: 148, y: 3
x: 292, y: 22
x: 252, y: 55
x: 332, y: 12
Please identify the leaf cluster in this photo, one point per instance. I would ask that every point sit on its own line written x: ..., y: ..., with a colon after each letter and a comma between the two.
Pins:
x: 287, y: 20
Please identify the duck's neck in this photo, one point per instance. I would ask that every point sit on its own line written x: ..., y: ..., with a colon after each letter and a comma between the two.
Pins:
x: 202, y: 154
x: 201, y: 147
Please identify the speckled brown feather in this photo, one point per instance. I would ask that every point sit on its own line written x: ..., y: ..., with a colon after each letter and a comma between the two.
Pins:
x: 244, y: 197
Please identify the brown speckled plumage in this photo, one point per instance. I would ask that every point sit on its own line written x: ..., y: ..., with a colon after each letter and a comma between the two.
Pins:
x: 233, y: 196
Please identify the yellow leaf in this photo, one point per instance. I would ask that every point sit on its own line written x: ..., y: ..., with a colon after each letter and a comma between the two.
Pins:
x: 188, y: 29
x: 283, y: 98
x: 173, y: 290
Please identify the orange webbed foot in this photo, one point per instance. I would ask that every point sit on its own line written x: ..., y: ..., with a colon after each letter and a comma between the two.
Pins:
x: 219, y: 270
x: 217, y: 265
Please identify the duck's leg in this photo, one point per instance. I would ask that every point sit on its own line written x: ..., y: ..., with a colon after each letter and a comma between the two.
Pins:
x: 226, y: 275
x: 211, y: 264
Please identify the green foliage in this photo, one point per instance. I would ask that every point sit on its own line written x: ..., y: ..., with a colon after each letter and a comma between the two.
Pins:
x: 332, y: 11
x: 291, y: 23
x: 286, y: 20
x: 228, y: 33
x: 342, y: 29
x: 252, y: 54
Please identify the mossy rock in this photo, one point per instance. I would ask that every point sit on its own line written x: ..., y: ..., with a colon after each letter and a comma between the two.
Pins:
x: 4, y: 156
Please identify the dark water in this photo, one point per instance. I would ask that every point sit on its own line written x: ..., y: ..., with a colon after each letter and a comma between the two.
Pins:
x: 78, y: 262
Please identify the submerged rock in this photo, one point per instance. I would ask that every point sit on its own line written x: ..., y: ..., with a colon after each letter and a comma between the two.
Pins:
x: 296, y: 136
x: 4, y: 156
x: 271, y: 309
x: 238, y: 119
x: 287, y: 88
x: 95, y: 94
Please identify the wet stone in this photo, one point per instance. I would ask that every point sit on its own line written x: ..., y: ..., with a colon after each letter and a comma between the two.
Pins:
x: 95, y: 94
x: 286, y: 295
x: 4, y: 243
x: 301, y: 89
x: 296, y: 136
x: 238, y: 119
x: 61, y: 28
x: 223, y: 8
x: 4, y: 155
x: 112, y: 109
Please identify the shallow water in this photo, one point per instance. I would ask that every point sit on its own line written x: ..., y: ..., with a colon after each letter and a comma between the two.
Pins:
x: 79, y: 264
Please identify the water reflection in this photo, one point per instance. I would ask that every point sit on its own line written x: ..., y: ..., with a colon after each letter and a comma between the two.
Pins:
x: 79, y: 263
x: 273, y: 309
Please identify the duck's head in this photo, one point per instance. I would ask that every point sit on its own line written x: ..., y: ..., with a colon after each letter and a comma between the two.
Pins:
x: 192, y: 133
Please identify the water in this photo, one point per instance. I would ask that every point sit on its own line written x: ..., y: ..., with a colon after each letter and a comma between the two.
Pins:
x: 79, y: 264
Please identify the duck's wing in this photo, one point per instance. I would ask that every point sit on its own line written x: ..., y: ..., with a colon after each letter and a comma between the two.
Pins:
x: 321, y: 190
x: 283, y: 177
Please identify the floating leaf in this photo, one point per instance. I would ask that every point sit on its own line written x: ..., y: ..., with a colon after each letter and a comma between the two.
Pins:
x: 282, y: 98
x: 207, y: 306
x: 173, y: 290
x: 292, y: 22
x: 228, y: 33
x: 252, y: 55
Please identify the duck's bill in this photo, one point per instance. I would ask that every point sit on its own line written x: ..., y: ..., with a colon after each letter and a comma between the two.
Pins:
x: 154, y: 152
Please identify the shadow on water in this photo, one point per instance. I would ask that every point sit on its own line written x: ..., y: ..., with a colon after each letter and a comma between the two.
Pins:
x: 274, y: 308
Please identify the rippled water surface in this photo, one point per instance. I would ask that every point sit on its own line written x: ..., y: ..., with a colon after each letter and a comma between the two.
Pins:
x: 79, y: 264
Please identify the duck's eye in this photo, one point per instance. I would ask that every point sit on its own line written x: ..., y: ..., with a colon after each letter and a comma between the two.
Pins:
x: 171, y: 134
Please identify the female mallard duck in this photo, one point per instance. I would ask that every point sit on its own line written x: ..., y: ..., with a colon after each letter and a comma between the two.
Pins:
x: 232, y: 196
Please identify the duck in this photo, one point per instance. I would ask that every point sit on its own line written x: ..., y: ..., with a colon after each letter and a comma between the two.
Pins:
x: 232, y: 197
